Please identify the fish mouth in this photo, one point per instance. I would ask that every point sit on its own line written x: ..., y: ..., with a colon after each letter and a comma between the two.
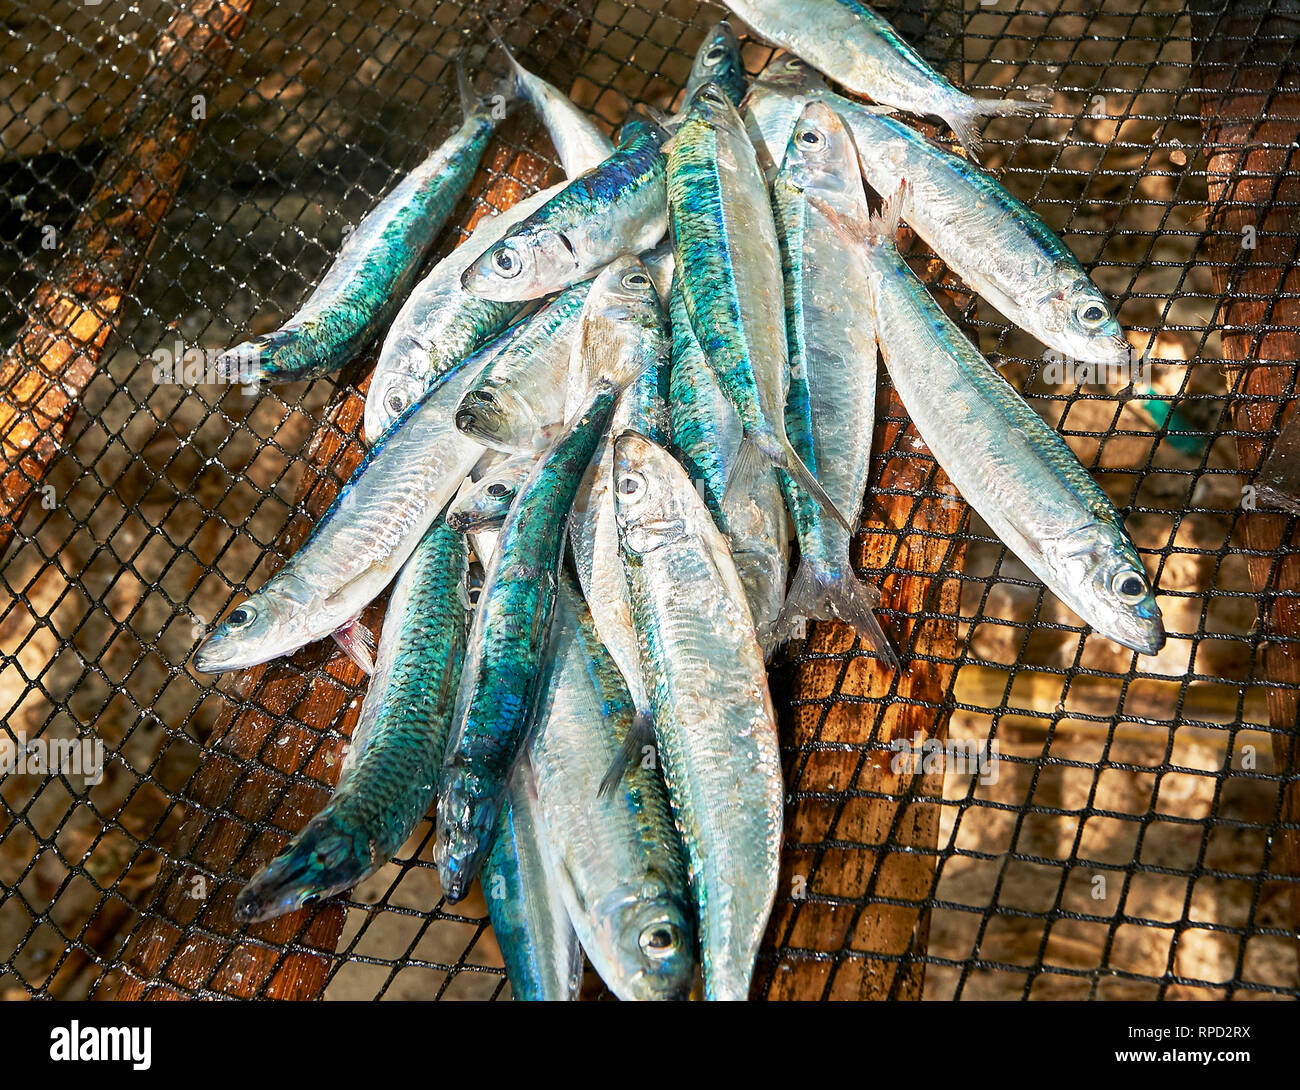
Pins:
x: 1111, y: 350
x: 480, y: 416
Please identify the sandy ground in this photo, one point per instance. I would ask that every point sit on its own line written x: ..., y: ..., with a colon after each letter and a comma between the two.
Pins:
x: 160, y: 485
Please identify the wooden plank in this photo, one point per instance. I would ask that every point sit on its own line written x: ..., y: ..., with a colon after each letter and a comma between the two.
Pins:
x: 275, y: 757
x: 75, y: 312
x: 1249, y: 105
x: 859, y: 857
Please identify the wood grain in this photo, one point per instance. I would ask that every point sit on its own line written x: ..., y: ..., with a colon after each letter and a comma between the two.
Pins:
x: 1249, y: 106
x: 274, y: 755
x: 75, y: 311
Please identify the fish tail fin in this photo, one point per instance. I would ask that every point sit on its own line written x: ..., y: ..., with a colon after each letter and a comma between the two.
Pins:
x: 357, y: 643
x: 786, y: 458
x: 745, y: 473
x: 837, y: 594
x: 966, y: 117
x: 322, y: 860
x: 640, y: 733
x: 517, y: 70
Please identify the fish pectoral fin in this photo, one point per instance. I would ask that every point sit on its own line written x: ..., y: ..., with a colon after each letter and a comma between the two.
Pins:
x: 640, y: 733
x: 357, y: 643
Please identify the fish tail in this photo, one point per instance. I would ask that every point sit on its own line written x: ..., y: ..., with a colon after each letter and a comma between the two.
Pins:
x: 322, y: 860
x: 786, y: 458
x: 640, y: 733
x: 966, y: 117
x: 838, y: 594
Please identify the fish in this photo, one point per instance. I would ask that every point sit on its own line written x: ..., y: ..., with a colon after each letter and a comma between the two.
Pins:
x: 579, y: 141
x: 485, y: 504
x: 1008, y: 464
x: 376, y: 265
x: 622, y: 320
x: 831, y: 407
x: 851, y: 44
x: 538, y: 943
x: 617, y: 207
x: 363, y: 539
x: 719, y: 60
x: 617, y: 859
x: 714, y: 724
x: 728, y: 258
x: 390, y: 771
x: 507, y: 664
x: 706, y: 437
x: 519, y: 401
x: 988, y: 237
x: 440, y: 325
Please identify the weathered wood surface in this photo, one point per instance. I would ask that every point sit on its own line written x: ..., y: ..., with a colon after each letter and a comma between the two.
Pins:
x: 75, y: 311
x: 274, y: 757
x: 1250, y: 105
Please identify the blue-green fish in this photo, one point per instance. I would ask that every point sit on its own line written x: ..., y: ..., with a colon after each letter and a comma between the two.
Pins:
x: 615, y: 208
x: 506, y: 670
x: 854, y: 46
x: 713, y: 715
x: 832, y: 402
x: 390, y: 772
x: 538, y: 943
x: 1009, y: 465
x: 376, y: 265
x: 729, y: 263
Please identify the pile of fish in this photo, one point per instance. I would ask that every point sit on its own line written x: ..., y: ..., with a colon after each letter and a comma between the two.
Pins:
x: 618, y: 402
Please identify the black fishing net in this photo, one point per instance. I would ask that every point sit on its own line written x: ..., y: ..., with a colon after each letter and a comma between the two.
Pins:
x: 1025, y: 810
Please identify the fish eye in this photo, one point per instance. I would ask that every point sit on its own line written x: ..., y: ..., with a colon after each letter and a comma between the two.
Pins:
x: 711, y: 94
x: 506, y: 263
x: 395, y: 402
x: 630, y: 484
x: 496, y: 491
x: 636, y: 279
x: 1129, y: 587
x: 242, y: 616
x: 794, y: 64
x: 1090, y: 314
x: 659, y: 940
x: 714, y: 55
x: 810, y: 138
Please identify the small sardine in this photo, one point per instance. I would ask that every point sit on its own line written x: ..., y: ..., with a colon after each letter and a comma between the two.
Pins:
x: 617, y: 858
x: 390, y: 773
x: 713, y: 716
x: 854, y: 46
x: 1009, y: 465
x: 831, y: 408
x: 485, y: 504
x: 615, y: 208
x: 376, y: 265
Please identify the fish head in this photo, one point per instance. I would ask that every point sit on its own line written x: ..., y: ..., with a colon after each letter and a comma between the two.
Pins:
x: 265, y: 626
x: 624, y: 327
x: 649, y: 930
x: 389, y: 400
x: 1084, y: 325
x: 654, y: 502
x: 498, y: 416
x: 820, y: 152
x: 719, y: 61
x: 1108, y: 585
x: 529, y: 262
x: 711, y: 107
x: 486, y: 505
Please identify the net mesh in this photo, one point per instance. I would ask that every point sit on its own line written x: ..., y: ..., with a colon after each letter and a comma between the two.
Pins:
x: 1102, y: 826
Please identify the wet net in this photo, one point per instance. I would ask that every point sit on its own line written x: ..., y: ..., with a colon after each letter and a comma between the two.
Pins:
x: 1024, y: 810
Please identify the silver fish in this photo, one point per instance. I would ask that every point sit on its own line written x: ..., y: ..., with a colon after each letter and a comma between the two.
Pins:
x: 485, y: 503
x: 356, y: 549
x: 832, y: 403
x: 617, y: 859
x: 1010, y: 466
x: 854, y: 46
x: 713, y: 716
